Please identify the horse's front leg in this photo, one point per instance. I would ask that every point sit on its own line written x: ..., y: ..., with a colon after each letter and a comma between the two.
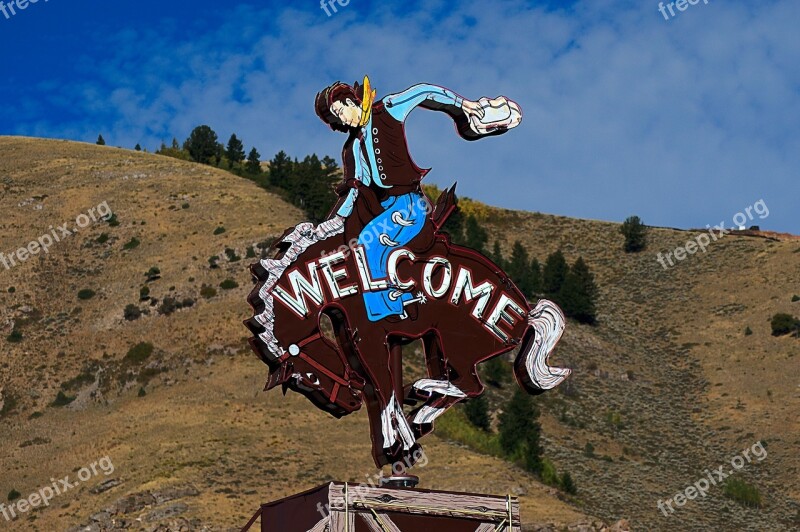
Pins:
x: 392, y: 437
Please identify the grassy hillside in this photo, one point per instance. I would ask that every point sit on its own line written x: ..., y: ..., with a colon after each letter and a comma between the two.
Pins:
x: 192, y: 436
x: 666, y: 386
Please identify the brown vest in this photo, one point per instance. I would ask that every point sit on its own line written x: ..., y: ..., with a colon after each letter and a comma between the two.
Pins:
x: 396, y: 168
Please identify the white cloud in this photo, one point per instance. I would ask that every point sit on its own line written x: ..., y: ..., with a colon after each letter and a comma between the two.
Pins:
x: 683, y: 122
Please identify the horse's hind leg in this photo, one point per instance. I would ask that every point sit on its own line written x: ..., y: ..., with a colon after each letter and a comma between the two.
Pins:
x: 451, y: 380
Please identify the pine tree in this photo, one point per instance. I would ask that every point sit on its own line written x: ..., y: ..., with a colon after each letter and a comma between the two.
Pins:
x: 253, y: 165
x: 235, y: 151
x: 138, y: 147
x: 518, y: 268
x: 497, y: 256
x: 280, y: 168
x: 579, y: 292
x: 635, y: 233
x: 202, y: 145
x: 475, y: 236
x: 477, y: 411
x: 553, y: 276
x: 536, y: 277
x: 520, y: 431
x: 454, y: 226
x: 100, y: 140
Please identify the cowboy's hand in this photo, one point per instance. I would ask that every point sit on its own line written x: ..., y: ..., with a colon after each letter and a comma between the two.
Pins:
x: 472, y: 109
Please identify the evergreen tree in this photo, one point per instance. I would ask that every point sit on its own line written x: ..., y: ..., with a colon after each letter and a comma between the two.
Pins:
x: 497, y: 256
x: 253, y: 165
x: 635, y: 233
x: 100, y: 140
x: 219, y: 153
x: 553, y: 276
x: 235, y: 151
x: 138, y: 147
x: 518, y: 268
x: 202, y: 145
x: 454, y: 226
x: 280, y: 169
x: 475, y: 236
x: 536, y: 277
x: 477, y: 411
x: 579, y: 292
x: 520, y: 431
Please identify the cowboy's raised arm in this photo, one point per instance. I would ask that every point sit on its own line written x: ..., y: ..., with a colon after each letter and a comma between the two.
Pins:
x: 431, y: 97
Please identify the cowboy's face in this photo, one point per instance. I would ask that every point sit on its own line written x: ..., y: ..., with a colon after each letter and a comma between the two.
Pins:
x: 348, y: 112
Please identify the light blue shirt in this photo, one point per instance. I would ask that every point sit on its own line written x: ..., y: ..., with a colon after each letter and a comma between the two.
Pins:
x: 398, y: 106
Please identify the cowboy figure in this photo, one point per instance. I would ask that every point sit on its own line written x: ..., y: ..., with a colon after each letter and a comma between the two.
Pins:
x: 381, y: 181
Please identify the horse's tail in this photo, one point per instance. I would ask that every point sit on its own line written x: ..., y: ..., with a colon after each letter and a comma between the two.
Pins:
x: 546, y: 324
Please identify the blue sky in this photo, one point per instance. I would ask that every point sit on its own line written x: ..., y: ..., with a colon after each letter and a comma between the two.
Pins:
x: 685, y: 121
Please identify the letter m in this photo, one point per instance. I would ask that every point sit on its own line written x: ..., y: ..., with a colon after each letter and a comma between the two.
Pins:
x: 303, y: 290
x: 464, y: 286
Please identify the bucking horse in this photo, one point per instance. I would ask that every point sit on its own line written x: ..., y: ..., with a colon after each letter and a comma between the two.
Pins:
x: 465, y: 310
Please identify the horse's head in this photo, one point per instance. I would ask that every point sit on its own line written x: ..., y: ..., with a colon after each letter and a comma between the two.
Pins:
x: 318, y: 371
x: 299, y: 356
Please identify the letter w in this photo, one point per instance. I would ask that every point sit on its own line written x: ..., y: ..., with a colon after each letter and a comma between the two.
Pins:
x: 303, y: 290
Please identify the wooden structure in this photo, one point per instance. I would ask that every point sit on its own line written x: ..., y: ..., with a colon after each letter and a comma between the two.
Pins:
x: 344, y: 507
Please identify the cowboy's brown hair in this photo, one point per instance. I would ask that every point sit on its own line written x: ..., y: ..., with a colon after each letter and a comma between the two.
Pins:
x: 336, y: 92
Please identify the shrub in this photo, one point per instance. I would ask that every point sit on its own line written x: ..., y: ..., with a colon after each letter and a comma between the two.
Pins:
x: 13, y: 495
x: 455, y: 426
x: 102, y: 239
x: 219, y: 230
x: 139, y: 353
x: 588, y: 450
x: 232, y: 256
x: 152, y: 274
x: 86, y: 293
x: 62, y: 400
x: 748, y: 331
x: 142, y: 392
x: 635, y: 233
x: 185, y: 206
x: 228, y: 284
x: 795, y: 298
x: 168, y: 306
x: 112, y: 220
x: 548, y: 473
x: 742, y: 492
x: 251, y: 253
x: 784, y: 324
x: 567, y: 484
x: 15, y: 337
x: 132, y: 312
x: 212, y: 262
x: 132, y: 244
x: 477, y: 411
x: 144, y: 293
x: 207, y: 291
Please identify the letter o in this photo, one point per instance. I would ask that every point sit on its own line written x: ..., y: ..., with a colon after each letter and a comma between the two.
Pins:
x: 739, y: 460
x: 739, y: 224
x: 82, y: 217
x: 427, y: 277
x: 81, y: 475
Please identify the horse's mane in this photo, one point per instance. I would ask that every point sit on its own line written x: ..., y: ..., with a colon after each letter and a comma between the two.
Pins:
x: 292, y: 246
